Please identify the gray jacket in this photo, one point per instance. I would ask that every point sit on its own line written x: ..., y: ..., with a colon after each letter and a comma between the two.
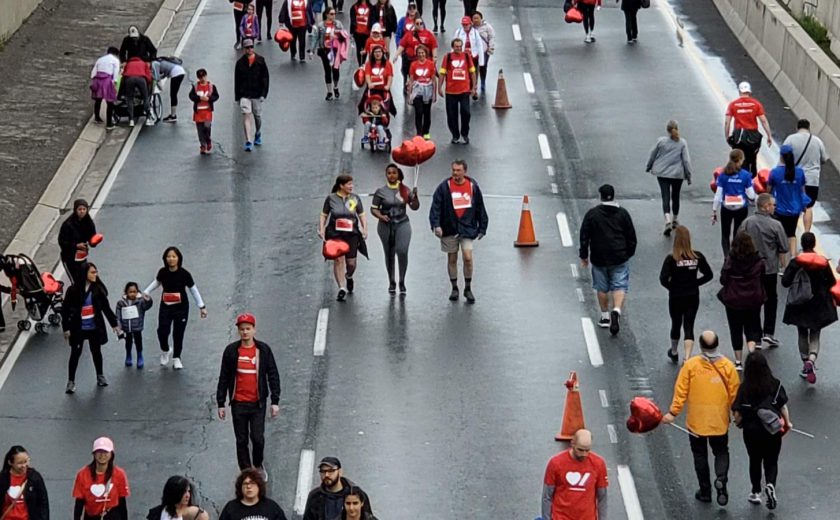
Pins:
x: 769, y: 238
x: 670, y: 159
x: 488, y: 34
x: 133, y: 324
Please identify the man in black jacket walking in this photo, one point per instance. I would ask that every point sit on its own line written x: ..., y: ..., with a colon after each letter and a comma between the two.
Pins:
x: 326, y: 502
x: 250, y: 90
x: 74, y: 238
x: 608, y: 241
x: 247, y: 377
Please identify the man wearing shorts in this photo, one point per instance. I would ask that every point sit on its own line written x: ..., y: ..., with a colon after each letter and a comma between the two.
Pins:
x: 608, y: 242
x: 458, y: 217
x: 810, y: 155
x: 251, y: 89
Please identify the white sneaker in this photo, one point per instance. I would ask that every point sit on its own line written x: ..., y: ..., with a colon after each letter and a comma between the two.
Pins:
x: 150, y: 121
x: 164, y: 358
x: 754, y: 498
x: 176, y: 364
x: 131, y: 123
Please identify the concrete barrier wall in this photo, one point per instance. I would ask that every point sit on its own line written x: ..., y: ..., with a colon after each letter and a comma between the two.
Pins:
x: 826, y: 11
x: 804, y: 75
x: 12, y: 15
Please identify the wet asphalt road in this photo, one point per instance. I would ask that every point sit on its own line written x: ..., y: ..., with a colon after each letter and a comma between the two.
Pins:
x: 438, y: 410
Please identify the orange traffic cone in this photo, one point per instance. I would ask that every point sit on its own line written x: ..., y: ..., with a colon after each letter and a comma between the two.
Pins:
x: 573, y: 412
x: 501, y: 93
x: 526, y: 236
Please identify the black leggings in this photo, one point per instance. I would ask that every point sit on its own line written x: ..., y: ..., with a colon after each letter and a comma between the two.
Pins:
x: 730, y: 221
x: 176, y: 321
x: 330, y: 74
x: 174, y: 87
x: 360, y: 40
x: 588, y: 12
x: 683, y: 311
x: 669, y: 189
x: 470, y: 6
x: 439, y: 6
x: 134, y: 339
x: 422, y: 115
x: 743, y: 322
x: 763, y: 449
x: 77, y: 346
x: 631, y: 25
x: 265, y: 5
x: 298, y: 41
x: 109, y: 111
x: 237, y: 19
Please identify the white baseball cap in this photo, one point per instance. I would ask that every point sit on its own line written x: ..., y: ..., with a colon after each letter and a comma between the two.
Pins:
x: 744, y: 87
x: 376, y: 28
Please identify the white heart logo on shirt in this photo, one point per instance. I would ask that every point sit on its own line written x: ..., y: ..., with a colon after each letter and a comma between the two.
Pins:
x: 363, y: 11
x: 458, y: 63
x: 14, y: 491
x: 99, y: 489
x: 573, y: 477
x: 422, y: 72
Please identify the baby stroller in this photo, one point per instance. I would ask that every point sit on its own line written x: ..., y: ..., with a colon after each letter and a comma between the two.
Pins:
x: 41, y: 292
x: 372, y: 138
x: 121, y: 104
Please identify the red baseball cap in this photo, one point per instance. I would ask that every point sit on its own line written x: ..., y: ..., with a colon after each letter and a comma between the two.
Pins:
x: 246, y: 317
x: 466, y: 20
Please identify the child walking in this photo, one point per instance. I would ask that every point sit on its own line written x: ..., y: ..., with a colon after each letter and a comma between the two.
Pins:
x: 131, y: 313
x: 203, y: 95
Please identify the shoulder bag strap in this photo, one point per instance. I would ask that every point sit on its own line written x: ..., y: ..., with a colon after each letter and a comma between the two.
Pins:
x: 804, y: 150
x: 12, y: 505
x: 776, y: 397
x: 722, y: 379
x: 107, y: 497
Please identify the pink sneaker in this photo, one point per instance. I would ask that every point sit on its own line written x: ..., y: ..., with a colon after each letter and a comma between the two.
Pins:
x: 809, y: 372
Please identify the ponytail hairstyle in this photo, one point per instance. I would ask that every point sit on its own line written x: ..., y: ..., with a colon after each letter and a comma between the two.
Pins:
x: 736, y: 158
x: 790, y: 165
x: 340, y: 181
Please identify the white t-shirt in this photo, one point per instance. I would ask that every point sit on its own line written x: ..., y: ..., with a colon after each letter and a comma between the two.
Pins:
x: 814, y: 156
x: 108, y: 64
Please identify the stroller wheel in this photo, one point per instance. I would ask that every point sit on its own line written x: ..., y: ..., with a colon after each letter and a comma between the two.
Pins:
x: 24, y: 325
x: 40, y: 328
x: 54, y: 319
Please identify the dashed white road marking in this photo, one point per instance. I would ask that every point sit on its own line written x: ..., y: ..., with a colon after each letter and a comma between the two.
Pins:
x: 612, y: 433
x: 529, y: 82
x: 549, y: 169
x: 554, y: 189
x: 565, y: 233
x: 347, y: 144
x: 592, y: 346
x: 545, y: 149
x: 604, y: 401
x: 628, y: 493
x: 579, y: 293
x: 574, y: 269
x: 517, y: 34
x: 320, y: 344
x: 304, y: 481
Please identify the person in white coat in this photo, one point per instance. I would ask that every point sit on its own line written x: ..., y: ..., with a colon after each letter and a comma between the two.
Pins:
x: 473, y: 45
x: 103, y: 79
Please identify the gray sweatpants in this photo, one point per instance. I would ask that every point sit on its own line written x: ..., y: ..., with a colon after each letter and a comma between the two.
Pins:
x: 395, y: 241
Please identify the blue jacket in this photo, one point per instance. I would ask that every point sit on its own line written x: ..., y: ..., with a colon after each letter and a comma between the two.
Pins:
x: 134, y: 324
x: 790, y: 196
x: 442, y: 213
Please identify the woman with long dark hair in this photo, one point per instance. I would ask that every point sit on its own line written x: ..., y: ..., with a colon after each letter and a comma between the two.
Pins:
x: 354, y: 506
x: 811, y: 316
x: 761, y: 391
x: 743, y: 294
x: 389, y: 206
x: 787, y: 184
x: 326, y: 40
x: 734, y: 189
x: 101, y: 487
x: 379, y: 74
x: 343, y: 218
x: 679, y: 275
x: 178, y: 502
x: 174, y: 304
x: 360, y: 25
x: 24, y: 493
x: 83, y: 315
x: 422, y: 89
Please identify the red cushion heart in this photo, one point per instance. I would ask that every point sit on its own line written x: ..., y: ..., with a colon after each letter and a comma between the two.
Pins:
x: 284, y: 38
x: 644, y: 415
x: 96, y: 239
x: 359, y: 77
x: 574, y: 15
x: 715, y: 175
x: 760, y: 181
x: 413, y: 151
x: 335, y: 249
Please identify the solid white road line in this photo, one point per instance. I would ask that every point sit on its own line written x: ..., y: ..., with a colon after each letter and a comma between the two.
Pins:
x: 517, y: 34
x: 604, y: 401
x: 545, y: 149
x: 529, y: 82
x: 592, y: 345
x: 190, y: 27
x: 565, y: 233
x: 574, y: 269
x: 347, y: 144
x: 115, y: 170
x: 628, y: 493
x: 612, y: 433
x: 304, y: 481
x: 320, y: 344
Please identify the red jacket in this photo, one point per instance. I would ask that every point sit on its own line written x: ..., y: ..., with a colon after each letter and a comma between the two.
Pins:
x: 137, y: 68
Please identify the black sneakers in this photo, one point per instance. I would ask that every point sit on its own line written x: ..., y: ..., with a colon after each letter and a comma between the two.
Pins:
x: 350, y: 285
x: 722, y: 494
x: 615, y: 316
x: 469, y: 295
x: 453, y: 296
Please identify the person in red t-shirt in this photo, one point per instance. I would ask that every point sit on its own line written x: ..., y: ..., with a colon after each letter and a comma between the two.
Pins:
x: 747, y: 113
x: 422, y: 88
x: 248, y: 374
x: 575, y: 484
x: 299, y: 18
x: 101, y: 487
x: 203, y: 95
x: 24, y: 492
x: 457, y: 72
x: 360, y: 27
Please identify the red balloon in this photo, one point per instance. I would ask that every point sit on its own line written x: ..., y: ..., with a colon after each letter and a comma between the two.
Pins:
x: 760, y: 181
x: 335, y: 249
x: 359, y: 77
x: 574, y: 15
x: 715, y: 175
x: 644, y: 415
x: 283, y: 37
x: 413, y: 151
x: 96, y: 239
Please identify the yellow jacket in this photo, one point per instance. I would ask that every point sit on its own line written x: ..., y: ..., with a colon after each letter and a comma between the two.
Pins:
x: 708, y: 395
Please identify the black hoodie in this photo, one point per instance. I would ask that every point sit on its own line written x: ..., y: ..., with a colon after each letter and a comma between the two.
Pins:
x: 74, y: 231
x: 607, y: 236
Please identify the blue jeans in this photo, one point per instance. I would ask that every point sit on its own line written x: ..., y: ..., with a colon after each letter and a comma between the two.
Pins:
x: 611, y: 277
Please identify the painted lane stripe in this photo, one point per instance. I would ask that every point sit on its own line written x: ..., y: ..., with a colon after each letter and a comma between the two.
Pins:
x: 347, y: 144
x: 592, y: 346
x: 579, y: 293
x: 320, y: 344
x: 565, y: 233
x: 529, y: 82
x: 612, y: 433
x: 574, y: 269
x: 628, y: 493
x: 517, y: 34
x: 604, y: 401
x: 554, y: 189
x: 545, y: 149
x: 188, y: 32
x: 304, y: 481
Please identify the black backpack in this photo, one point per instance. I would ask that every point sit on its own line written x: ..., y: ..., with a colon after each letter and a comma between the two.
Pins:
x: 800, y: 289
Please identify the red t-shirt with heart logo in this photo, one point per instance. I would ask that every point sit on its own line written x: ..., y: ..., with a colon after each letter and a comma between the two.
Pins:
x: 17, y: 511
x: 575, y: 483
x: 96, y: 494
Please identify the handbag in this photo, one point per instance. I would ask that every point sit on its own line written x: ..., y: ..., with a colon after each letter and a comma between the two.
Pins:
x: 574, y: 15
x: 770, y: 418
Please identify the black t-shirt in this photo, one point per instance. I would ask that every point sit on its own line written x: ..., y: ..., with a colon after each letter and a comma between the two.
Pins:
x: 748, y: 408
x: 265, y: 509
x: 174, y: 285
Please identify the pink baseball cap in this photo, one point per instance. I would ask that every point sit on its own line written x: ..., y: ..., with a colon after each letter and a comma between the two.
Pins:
x: 103, y: 444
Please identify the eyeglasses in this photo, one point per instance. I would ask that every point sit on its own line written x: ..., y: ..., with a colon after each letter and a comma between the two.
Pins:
x: 248, y: 483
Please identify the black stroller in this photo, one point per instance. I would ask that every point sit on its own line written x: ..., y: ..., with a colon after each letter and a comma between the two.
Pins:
x: 41, y: 292
x: 121, y: 105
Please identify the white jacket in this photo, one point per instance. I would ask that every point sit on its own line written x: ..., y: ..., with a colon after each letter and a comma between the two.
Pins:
x: 477, y: 47
x: 109, y: 64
